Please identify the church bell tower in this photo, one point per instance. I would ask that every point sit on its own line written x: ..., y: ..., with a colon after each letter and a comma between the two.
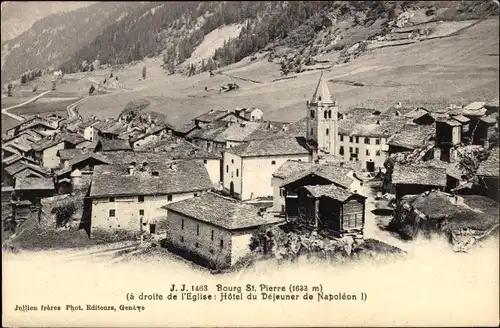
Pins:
x: 322, y: 116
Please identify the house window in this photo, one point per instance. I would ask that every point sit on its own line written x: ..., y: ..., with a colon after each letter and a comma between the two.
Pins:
x: 182, y: 224
x: 312, y: 113
x: 227, y: 168
x: 111, y: 199
x: 221, y: 243
x: 169, y: 197
x: 232, y: 161
x: 368, y: 152
x: 237, y: 172
x: 357, y: 150
x: 205, y: 161
x: 141, y: 212
x: 377, y: 153
x: 367, y: 141
x: 377, y: 141
x: 273, y: 163
x: 327, y: 131
x: 182, y: 239
x: 195, y: 194
x: 112, y: 213
x: 351, y: 139
x: 341, y: 138
x: 350, y: 150
x: 141, y: 199
x: 341, y: 150
x: 329, y: 114
x: 325, y: 114
x: 312, y: 131
x: 357, y: 139
x: 197, y: 229
x: 212, y: 236
x: 282, y: 208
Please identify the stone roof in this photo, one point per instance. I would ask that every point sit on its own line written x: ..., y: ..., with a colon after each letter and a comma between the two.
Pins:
x: 186, y: 127
x: 473, y: 109
x: 322, y: 93
x: 372, y: 126
x: 489, y: 167
x: 330, y: 191
x: 417, y: 113
x: 82, y: 157
x: 270, y: 129
x: 490, y: 119
x: 330, y: 171
x: 114, y: 144
x: 19, y: 166
x: 460, y: 118
x: 418, y: 175
x: 449, y: 121
x: 222, y: 211
x: 67, y: 154
x: 173, y: 177
x: 34, y: 184
x: 454, y: 169
x: 150, y: 131
x: 290, y: 167
x: 412, y: 136
x: 237, y: 131
x: 212, y: 116
x: 176, y: 148
x: 56, y: 139
x: 209, y: 133
x: 271, y: 147
x: 296, y: 129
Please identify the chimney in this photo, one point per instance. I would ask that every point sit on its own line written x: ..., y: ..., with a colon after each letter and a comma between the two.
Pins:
x: 437, y: 153
x: 169, y: 132
x: 398, y: 105
x: 378, y: 122
x: 211, y: 111
x: 284, y: 128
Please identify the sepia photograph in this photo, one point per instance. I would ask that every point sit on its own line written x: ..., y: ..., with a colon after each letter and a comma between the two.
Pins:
x: 250, y: 163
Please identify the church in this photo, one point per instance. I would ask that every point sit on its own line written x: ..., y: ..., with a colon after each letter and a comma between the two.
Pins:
x: 248, y: 168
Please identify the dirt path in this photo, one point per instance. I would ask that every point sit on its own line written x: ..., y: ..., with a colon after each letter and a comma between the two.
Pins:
x: 19, y: 118
x: 71, y: 108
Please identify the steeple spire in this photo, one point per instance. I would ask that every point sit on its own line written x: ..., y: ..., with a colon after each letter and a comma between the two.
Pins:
x: 322, y: 94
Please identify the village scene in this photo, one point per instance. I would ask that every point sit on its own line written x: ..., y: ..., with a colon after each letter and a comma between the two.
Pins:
x: 239, y: 134
x: 229, y: 186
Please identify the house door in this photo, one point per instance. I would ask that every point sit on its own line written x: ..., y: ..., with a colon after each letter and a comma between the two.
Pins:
x: 370, y: 166
x: 231, y: 189
x: 152, y: 228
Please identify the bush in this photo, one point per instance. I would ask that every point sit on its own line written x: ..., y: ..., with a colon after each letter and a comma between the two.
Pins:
x: 64, y: 213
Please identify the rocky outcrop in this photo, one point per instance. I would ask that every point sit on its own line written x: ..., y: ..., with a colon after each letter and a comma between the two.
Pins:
x: 464, y: 220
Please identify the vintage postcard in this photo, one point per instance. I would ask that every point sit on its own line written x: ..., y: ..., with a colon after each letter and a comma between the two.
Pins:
x: 250, y: 164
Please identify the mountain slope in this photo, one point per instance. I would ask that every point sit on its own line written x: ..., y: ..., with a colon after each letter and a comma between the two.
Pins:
x: 19, y: 16
x: 56, y: 37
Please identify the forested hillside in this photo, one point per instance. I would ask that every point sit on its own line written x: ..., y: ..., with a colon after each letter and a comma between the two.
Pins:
x: 292, y: 32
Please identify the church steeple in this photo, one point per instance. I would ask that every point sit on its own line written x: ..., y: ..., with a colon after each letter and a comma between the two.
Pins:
x: 322, y: 93
x: 322, y: 114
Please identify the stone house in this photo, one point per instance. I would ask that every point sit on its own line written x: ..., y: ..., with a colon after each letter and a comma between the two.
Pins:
x: 488, y: 174
x: 45, y: 151
x: 36, y: 123
x: 411, y: 137
x: 414, y: 179
x: 217, y: 115
x: 150, y: 134
x: 216, y: 229
x: 33, y: 189
x: 486, y: 127
x: 131, y: 197
x: 248, y: 168
x: 251, y: 114
x: 111, y: 145
x: 294, y: 174
x: 88, y: 130
x: 330, y: 209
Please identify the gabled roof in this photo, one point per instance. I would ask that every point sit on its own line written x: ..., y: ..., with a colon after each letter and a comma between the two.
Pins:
x: 460, y: 118
x: 182, y: 177
x: 295, y: 129
x: 14, y: 158
x: 223, y: 212
x: 412, y: 136
x: 186, y: 127
x: 114, y: 144
x: 270, y: 129
x: 490, y: 119
x: 43, y: 144
x: 329, y: 171
x: 290, y: 167
x: 176, y: 148
x: 238, y: 131
x: 149, y: 132
x: 34, y: 184
x: 82, y: 157
x: 271, y: 147
x: 449, y: 121
x: 213, y: 115
x: 322, y: 93
x: 331, y: 191
x: 418, y: 175
x: 372, y: 126
x: 19, y: 166
x: 489, y: 167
